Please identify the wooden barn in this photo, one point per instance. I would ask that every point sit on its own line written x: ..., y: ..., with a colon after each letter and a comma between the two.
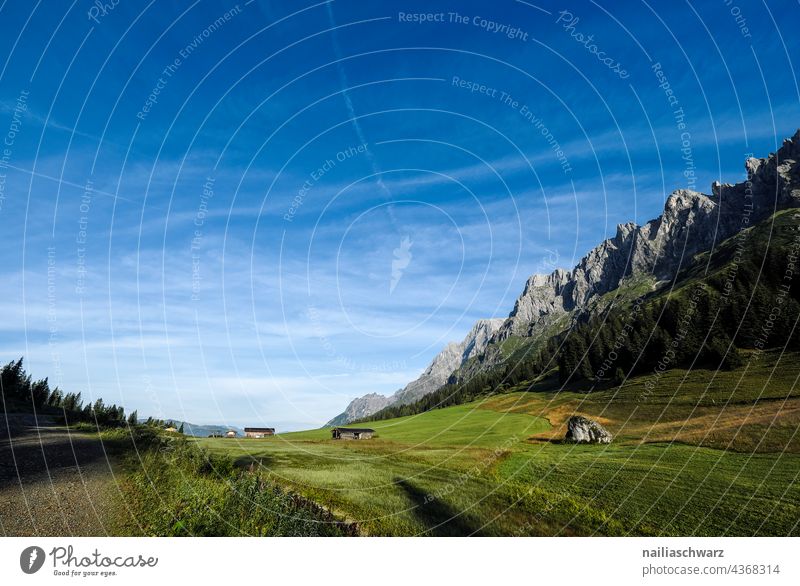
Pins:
x: 352, y: 433
x: 259, y: 432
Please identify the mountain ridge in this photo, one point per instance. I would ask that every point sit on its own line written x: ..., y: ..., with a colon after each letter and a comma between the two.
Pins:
x: 691, y: 223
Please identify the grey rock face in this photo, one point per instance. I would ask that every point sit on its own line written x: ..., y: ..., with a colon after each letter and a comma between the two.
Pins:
x: 361, y: 407
x: 448, y: 360
x: 692, y: 222
x: 433, y: 377
x: 583, y: 430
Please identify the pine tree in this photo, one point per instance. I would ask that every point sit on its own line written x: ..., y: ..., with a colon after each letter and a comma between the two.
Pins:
x: 39, y: 393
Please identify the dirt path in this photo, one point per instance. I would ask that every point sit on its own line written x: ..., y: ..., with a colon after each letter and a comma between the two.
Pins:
x: 53, y: 482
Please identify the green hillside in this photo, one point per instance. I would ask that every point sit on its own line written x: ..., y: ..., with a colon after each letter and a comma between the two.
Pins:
x: 457, y: 426
x: 711, y: 454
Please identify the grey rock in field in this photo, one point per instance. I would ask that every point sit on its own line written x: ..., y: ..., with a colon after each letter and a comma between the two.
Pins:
x: 583, y: 430
x: 433, y: 377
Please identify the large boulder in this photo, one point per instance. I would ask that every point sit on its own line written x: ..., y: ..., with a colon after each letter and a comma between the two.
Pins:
x: 582, y: 430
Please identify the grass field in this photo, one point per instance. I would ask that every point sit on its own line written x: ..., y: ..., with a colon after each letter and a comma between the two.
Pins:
x: 713, y: 453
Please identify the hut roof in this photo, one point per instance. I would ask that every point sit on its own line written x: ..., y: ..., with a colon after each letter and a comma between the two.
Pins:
x: 355, y: 429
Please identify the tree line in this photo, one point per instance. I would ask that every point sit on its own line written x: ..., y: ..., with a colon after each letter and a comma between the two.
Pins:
x: 20, y: 392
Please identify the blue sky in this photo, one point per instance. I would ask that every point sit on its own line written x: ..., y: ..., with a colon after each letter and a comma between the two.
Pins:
x: 252, y: 213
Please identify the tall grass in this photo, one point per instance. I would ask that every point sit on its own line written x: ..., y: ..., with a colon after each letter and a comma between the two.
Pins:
x: 175, y: 488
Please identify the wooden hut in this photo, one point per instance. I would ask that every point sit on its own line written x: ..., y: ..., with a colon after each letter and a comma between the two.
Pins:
x: 352, y: 433
x: 259, y: 432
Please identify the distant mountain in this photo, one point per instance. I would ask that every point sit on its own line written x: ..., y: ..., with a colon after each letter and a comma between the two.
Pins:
x: 360, y: 408
x: 434, y: 376
x: 204, y: 430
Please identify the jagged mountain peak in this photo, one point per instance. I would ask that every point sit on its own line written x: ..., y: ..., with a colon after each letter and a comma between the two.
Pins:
x: 691, y: 222
x: 478, y: 337
x: 360, y: 408
x: 453, y: 355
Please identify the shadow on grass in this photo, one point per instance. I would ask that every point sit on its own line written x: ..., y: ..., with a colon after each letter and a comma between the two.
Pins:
x: 441, y: 519
x: 253, y: 463
x: 546, y: 440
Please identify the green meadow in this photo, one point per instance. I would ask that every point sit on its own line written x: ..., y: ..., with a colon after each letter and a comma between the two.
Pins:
x: 713, y: 453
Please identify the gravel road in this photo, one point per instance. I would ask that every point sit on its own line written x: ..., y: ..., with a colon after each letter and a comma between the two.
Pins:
x: 53, y: 482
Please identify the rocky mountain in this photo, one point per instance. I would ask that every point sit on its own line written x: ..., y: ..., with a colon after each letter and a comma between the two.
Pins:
x: 360, y: 408
x: 196, y: 430
x: 691, y: 223
x: 434, y: 376
x: 448, y: 360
